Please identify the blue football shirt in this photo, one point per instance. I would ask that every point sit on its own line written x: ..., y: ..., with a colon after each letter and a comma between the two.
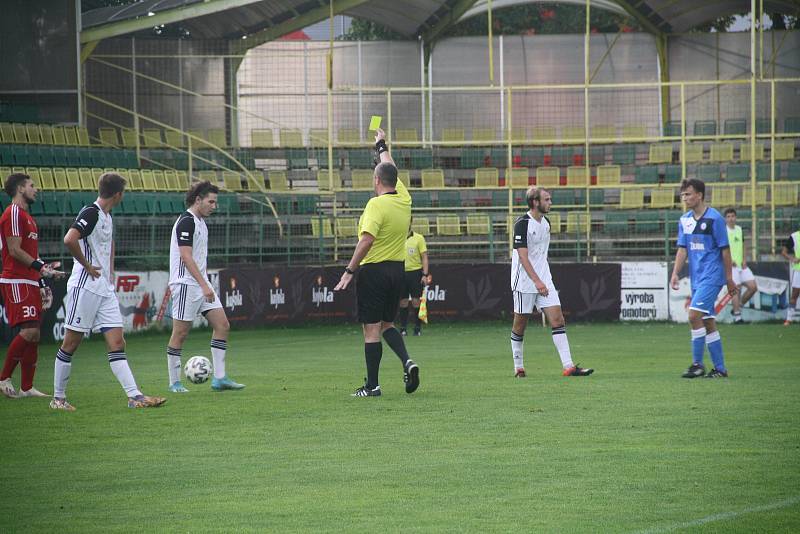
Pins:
x: 704, y: 239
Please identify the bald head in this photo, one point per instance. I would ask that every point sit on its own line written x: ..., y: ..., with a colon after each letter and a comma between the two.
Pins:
x: 387, y: 174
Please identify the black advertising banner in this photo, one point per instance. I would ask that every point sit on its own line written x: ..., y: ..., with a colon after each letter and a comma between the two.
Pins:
x: 280, y: 295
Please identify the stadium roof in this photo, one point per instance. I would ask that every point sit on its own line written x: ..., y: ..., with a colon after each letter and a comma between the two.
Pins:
x: 269, y: 19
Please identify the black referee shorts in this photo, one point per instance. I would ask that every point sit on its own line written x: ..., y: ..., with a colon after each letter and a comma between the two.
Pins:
x: 413, y: 284
x: 378, y: 291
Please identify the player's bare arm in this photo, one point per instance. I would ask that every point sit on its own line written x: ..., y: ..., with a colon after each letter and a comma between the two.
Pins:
x: 526, y: 264
x: 71, y: 241
x: 362, y: 248
x: 188, y: 260
x: 386, y: 157
x: 790, y: 257
x: 726, y: 262
x: 426, y: 273
x: 680, y: 260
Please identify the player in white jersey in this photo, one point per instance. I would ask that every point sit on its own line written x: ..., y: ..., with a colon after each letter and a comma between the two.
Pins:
x: 91, y: 300
x: 191, y: 292
x: 532, y: 284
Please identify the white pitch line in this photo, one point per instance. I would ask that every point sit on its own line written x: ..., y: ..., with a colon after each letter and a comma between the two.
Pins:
x: 722, y: 516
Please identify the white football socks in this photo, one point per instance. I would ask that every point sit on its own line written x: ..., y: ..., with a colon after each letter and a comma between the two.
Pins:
x: 61, y: 374
x: 173, y: 364
x: 218, y: 348
x: 120, y: 368
x: 516, y: 349
x: 562, y: 346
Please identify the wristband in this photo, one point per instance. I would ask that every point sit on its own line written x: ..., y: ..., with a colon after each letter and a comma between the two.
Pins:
x: 380, y: 147
x: 425, y: 274
x: 348, y: 271
x: 42, y: 283
x: 37, y: 264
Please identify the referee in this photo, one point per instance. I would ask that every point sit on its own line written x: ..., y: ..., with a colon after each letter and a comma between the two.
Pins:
x: 380, y: 256
x: 417, y: 276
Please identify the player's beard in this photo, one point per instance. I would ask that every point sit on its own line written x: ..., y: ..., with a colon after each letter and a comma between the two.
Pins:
x: 29, y: 200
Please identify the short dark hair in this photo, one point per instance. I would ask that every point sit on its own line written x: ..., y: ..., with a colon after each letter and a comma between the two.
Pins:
x: 13, y: 182
x: 696, y: 184
x: 729, y: 210
x: 200, y: 190
x: 533, y: 193
x: 387, y: 174
x: 110, y: 184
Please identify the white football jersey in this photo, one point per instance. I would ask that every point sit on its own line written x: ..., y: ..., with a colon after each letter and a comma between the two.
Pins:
x: 189, y: 230
x: 96, y: 229
x: 535, y: 236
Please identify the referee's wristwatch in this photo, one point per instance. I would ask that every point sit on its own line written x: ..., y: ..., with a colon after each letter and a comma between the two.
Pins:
x: 348, y: 271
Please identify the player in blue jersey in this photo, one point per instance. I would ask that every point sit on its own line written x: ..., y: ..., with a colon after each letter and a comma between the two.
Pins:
x: 703, y: 240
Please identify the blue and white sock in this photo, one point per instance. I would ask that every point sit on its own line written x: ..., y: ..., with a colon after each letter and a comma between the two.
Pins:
x: 119, y: 366
x: 218, y: 348
x: 714, y: 343
x: 698, y: 345
x: 61, y: 373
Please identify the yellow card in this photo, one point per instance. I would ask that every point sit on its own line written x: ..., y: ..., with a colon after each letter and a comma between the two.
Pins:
x: 374, y: 123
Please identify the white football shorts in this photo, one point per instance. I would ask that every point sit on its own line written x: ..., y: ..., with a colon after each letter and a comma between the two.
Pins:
x: 795, y: 278
x: 188, y: 301
x: 525, y: 302
x: 742, y: 275
x: 87, y: 311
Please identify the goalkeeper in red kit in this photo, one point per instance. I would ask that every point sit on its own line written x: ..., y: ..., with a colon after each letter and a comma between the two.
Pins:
x: 22, y: 284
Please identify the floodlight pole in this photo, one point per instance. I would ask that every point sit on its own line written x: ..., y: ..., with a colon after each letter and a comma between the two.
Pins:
x: 753, y: 203
x: 586, y: 81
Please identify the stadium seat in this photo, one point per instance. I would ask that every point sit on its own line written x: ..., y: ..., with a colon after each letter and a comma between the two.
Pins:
x: 672, y: 129
x: 232, y: 181
x: 7, y: 133
x: 631, y: 198
x: 722, y: 197
x: 421, y: 225
x: 448, y: 225
x: 33, y: 172
x: 149, y: 181
x: 693, y: 153
x: 577, y: 176
x: 406, y: 135
x: 129, y: 138
x: 672, y: 173
x: 47, y: 181
x: 348, y: 137
x: 159, y: 180
x: 453, y: 135
x: 662, y: 198
x: 519, y: 134
x: 577, y: 222
x: 634, y: 131
x: 660, y: 153
x: 71, y: 136
x: 739, y: 172
x: 449, y: 199
x: 362, y: 179
x: 623, y: 154
x: 617, y: 223
x: 499, y: 157
x: 603, y: 133
x: 548, y: 176
x: 705, y: 128
x: 517, y: 177
x: 761, y: 195
x: 261, y: 138
x: 83, y: 136
x: 544, y: 134
x: 432, y: 179
x: 96, y: 174
x: 472, y: 158
x: 324, y: 180
x: 134, y: 177
x: 152, y: 137
x: 346, y: 226
x: 20, y: 133
x: 487, y: 177
x: 174, y: 139
x: 291, y: 138
x: 784, y: 150
x: 216, y: 136
x: 647, y: 222
x: 34, y: 135
x: 785, y: 194
x: 646, y: 174
x: 735, y: 127
x: 318, y: 137
x: 793, y: 171
x: 73, y: 180
x: 764, y: 172
x: 196, y: 137
x: 327, y: 228
x: 608, y: 175
x: 721, y: 152
x: 763, y: 126
x: 171, y: 178
x: 562, y: 156
x: 485, y: 135
x: 478, y: 224
x: 108, y: 137
x: 87, y: 179
x: 421, y: 158
x: 573, y: 134
x: 746, y: 151
x: 563, y: 197
x: 791, y: 125
x: 60, y: 178
x: 297, y: 158
x: 708, y: 173
x: 532, y: 157
x: 359, y: 159
x: 421, y: 199
x: 405, y: 177
x: 46, y: 131
x: 59, y: 137
x: 277, y: 181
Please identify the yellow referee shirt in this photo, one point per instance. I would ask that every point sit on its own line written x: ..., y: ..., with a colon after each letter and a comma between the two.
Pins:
x: 387, y: 218
x: 415, y: 248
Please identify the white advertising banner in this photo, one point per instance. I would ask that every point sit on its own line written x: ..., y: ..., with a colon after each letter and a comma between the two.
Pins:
x: 644, y: 291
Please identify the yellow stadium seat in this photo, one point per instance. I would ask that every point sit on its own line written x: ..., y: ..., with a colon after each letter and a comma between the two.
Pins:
x: 33, y: 172
x: 721, y: 152
x: 291, y: 138
x: 406, y: 135
x: 761, y: 195
x: 555, y: 222
x: 59, y: 137
x: 20, y: 133
x: 183, y: 180
x: 196, y: 138
x: 548, y: 176
x: 453, y: 135
x: 327, y: 228
x: 108, y: 136
x: 47, y: 133
x: 608, y: 175
x: 785, y: 194
x: 631, y: 199
x: 232, y: 181
x: 87, y: 179
x: 633, y: 131
x: 71, y: 135
x: 448, y: 225
x: 723, y: 197
x: 694, y: 153
x: 519, y: 134
x: 135, y: 182
x: 60, y: 177
x: 171, y: 178
x: 160, y: 180
x: 149, y: 181
x: 73, y: 180
x: 97, y: 173
x: 324, y: 180
x: 577, y: 176
x: 83, y: 136
x: 34, y: 135
x: 486, y: 177
x: 174, y: 138
x: 662, y: 198
x: 346, y: 226
x: 362, y: 179
x: 577, y: 222
x: 517, y: 177
x: 7, y: 132
x: 5, y: 172
x: 604, y: 132
x: 745, y: 150
x: 660, y: 153
x: 484, y: 135
x: 152, y: 137
x: 207, y: 176
x: 478, y: 224
x: 277, y: 181
x: 348, y: 137
x: 433, y: 179
x: 47, y: 181
x: 129, y: 138
x: 318, y: 137
x: 421, y: 225
x: 405, y: 177
x: 216, y: 136
x: 573, y: 134
x: 783, y: 150
x: 544, y: 134
x: 261, y: 138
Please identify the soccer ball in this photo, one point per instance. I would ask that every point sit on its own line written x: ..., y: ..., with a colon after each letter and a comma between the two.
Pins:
x: 197, y: 369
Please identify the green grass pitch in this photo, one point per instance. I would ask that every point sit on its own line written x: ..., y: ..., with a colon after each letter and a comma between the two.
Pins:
x: 633, y: 448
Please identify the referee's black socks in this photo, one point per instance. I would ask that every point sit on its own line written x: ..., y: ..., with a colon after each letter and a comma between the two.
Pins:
x: 403, y: 316
x: 395, y: 341
x: 373, y: 353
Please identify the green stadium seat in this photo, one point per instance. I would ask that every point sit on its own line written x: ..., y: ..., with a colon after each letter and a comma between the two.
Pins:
x: 783, y: 150
x: 129, y: 138
x: 647, y: 222
x: 597, y: 155
x: 472, y: 158
x: 359, y: 199
x: 532, y: 157
x: 791, y: 125
x: 793, y: 171
x: 563, y: 197
x: 739, y: 172
x: 672, y: 129
x: 360, y: 159
x: 499, y: 157
x: 421, y: 158
x: 449, y: 199
x: 708, y: 173
x: 736, y: 127
x: 646, y: 174
x: 707, y: 127
x: 617, y: 222
x: 672, y: 174
x: 597, y: 197
x: 562, y: 156
x: 325, y: 223
x: 297, y: 158
x: 763, y: 126
x: 623, y: 154
x: 764, y: 172
x: 421, y: 199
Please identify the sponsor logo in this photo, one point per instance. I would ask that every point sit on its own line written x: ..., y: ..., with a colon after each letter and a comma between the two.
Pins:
x: 320, y: 295
x: 276, y: 294
x: 639, y: 298
x: 33, y: 235
x: 703, y: 226
x: 82, y: 222
x: 233, y: 297
x: 697, y: 246
x: 435, y: 293
x: 127, y: 283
